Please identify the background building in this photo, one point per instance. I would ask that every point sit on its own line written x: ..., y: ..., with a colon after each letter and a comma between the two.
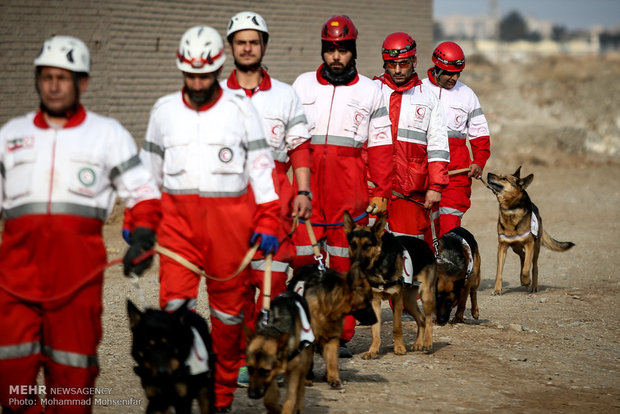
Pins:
x: 133, y: 43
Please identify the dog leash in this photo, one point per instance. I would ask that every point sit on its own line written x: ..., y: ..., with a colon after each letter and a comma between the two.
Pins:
x: 338, y: 224
x: 89, y: 278
x: 315, y: 245
x: 189, y: 265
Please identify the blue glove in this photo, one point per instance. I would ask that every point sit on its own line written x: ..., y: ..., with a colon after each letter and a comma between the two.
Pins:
x: 127, y: 236
x: 268, y: 243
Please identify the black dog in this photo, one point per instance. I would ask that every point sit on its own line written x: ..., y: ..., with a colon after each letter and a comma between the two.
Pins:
x: 162, y: 344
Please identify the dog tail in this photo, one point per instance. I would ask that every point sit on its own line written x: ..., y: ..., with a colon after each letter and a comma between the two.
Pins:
x: 552, y: 244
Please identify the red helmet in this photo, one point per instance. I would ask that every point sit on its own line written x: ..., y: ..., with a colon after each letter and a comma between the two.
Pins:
x: 449, y: 56
x: 398, y: 45
x: 339, y: 28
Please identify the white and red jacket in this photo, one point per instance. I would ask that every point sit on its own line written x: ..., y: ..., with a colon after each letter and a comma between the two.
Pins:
x: 421, y: 151
x: 214, y: 152
x: 342, y: 121
x: 284, y: 120
x: 465, y: 120
x: 66, y: 178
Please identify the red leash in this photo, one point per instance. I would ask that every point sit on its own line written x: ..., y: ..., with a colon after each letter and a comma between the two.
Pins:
x: 89, y: 278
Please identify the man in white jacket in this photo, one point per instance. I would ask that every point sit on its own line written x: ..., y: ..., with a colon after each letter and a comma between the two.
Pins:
x: 61, y: 169
x: 286, y: 130
x: 205, y: 146
x: 465, y: 122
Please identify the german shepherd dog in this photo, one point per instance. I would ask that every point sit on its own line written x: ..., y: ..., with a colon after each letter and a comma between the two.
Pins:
x: 520, y: 227
x: 380, y: 255
x: 161, y: 346
x: 277, y: 346
x: 330, y: 296
x: 458, y: 275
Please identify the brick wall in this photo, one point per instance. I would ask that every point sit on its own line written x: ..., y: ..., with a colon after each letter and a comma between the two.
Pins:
x: 133, y: 43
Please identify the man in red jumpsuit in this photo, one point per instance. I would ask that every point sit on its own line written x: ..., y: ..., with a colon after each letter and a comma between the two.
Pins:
x: 346, y: 113
x: 421, y: 151
x: 465, y: 121
x: 61, y: 169
x: 286, y: 131
x: 205, y: 146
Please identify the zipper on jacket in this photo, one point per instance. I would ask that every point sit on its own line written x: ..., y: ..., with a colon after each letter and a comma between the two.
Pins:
x: 52, y: 168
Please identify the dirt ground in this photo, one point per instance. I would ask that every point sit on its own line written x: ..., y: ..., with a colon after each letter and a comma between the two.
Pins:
x: 557, y: 350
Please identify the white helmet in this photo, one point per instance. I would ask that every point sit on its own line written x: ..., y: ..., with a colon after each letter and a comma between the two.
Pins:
x: 201, y: 50
x: 247, y: 20
x: 64, y: 52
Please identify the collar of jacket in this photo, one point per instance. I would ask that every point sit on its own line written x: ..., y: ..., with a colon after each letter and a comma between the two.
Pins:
x: 207, y: 106
x: 264, y: 85
x: 74, y: 118
x: 411, y: 83
x: 323, y: 81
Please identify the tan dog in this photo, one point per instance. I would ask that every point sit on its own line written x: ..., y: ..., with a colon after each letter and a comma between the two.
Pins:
x: 380, y: 255
x: 331, y: 296
x: 278, y: 347
x: 458, y: 275
x: 520, y: 227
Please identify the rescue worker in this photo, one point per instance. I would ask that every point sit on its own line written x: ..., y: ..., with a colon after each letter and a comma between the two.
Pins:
x: 285, y: 128
x: 204, y: 147
x: 421, y: 153
x: 465, y: 120
x: 346, y: 112
x: 61, y: 170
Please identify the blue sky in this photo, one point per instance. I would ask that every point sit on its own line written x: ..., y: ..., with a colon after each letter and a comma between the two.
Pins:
x: 573, y: 14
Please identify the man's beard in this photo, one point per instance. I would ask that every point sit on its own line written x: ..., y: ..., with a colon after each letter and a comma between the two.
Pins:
x: 203, y: 96
x: 66, y: 112
x: 248, y: 68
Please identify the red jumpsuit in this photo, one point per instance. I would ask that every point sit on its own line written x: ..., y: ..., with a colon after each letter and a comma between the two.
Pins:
x: 465, y: 120
x: 342, y: 121
x: 204, y: 160
x: 58, y: 187
x: 420, y: 152
x: 286, y: 131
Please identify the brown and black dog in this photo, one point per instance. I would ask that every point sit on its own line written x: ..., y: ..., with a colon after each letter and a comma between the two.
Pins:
x: 520, y: 227
x: 174, y: 367
x: 381, y: 255
x: 331, y: 296
x: 281, y: 344
x: 458, y: 275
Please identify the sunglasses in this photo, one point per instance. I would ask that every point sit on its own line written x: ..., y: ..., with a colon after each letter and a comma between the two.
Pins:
x: 406, y: 64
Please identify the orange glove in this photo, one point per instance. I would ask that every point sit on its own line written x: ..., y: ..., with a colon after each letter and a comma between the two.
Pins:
x: 377, y: 205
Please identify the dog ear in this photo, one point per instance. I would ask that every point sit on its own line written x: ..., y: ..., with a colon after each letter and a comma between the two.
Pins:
x: 135, y: 315
x: 349, y: 224
x: 379, y: 227
x: 526, y: 181
x: 518, y: 172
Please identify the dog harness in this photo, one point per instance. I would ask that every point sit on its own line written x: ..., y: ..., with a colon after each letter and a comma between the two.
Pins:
x: 533, y: 230
x: 470, y: 258
x: 306, y: 336
x: 198, y: 359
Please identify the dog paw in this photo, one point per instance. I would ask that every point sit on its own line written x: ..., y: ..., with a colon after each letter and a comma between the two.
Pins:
x: 369, y: 355
x: 308, y: 383
x: 475, y: 314
x: 417, y: 347
x: 457, y: 320
x: 428, y: 349
x: 497, y: 293
x: 400, y: 350
x: 335, y: 384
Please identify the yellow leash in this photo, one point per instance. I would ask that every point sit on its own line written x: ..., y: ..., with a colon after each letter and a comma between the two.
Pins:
x: 189, y: 265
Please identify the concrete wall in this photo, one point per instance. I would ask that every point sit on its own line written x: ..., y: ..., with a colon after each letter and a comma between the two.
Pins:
x: 133, y: 43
